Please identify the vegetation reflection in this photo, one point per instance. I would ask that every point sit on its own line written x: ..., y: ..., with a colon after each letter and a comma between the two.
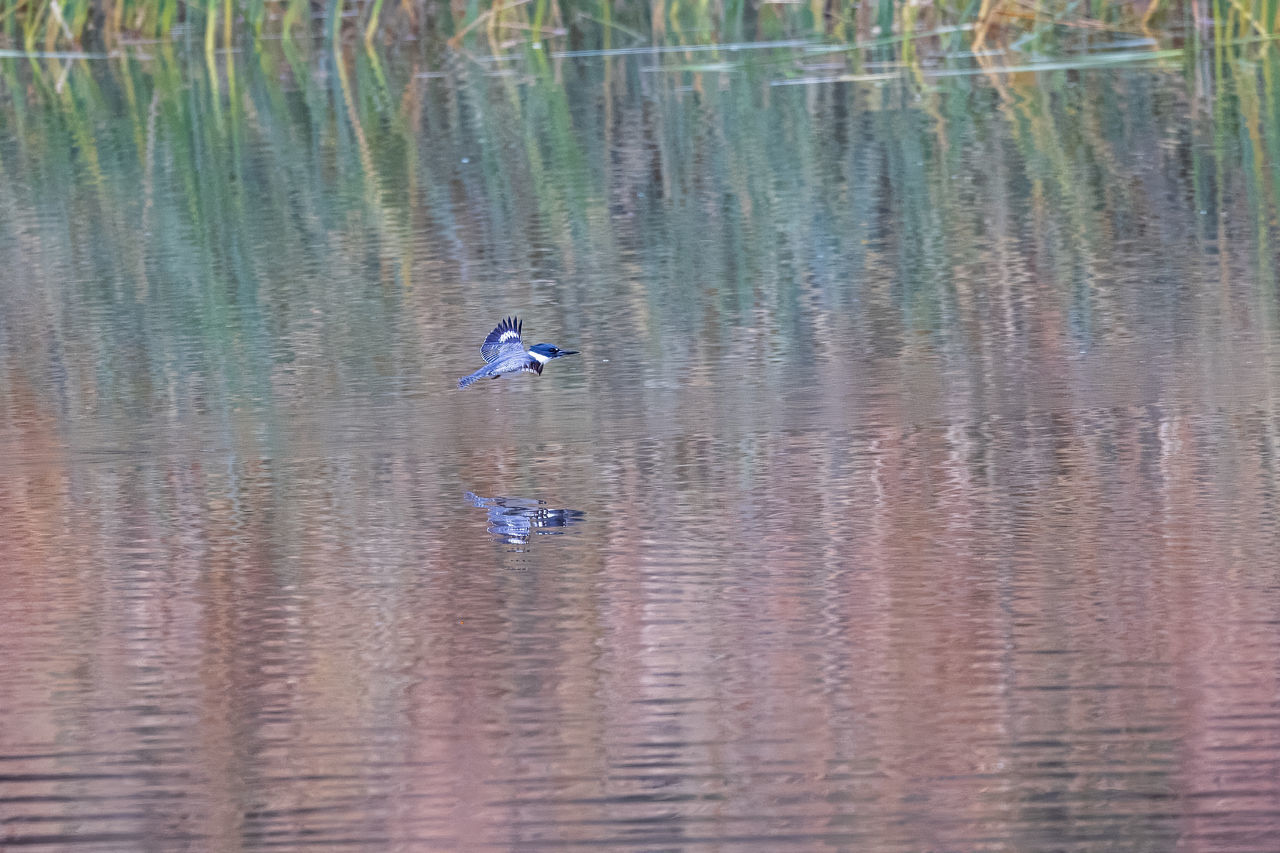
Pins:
x: 211, y: 225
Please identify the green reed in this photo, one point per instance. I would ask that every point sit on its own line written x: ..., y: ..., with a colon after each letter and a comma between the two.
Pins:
x: 60, y: 25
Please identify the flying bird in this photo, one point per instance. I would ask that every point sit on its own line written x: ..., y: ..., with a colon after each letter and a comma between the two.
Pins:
x: 504, y: 353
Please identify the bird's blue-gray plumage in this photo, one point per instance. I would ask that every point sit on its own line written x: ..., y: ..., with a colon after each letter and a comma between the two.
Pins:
x: 504, y: 341
x: 504, y: 353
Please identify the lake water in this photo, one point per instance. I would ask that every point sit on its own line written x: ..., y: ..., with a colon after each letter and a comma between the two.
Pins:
x: 916, y: 487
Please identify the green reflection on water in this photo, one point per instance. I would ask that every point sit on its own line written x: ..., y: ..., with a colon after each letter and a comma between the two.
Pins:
x: 295, y: 228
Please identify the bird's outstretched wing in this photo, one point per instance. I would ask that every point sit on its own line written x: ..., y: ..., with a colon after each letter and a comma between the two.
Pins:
x: 503, y: 341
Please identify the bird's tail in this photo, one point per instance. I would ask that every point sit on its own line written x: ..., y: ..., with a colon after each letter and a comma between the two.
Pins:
x: 474, y: 377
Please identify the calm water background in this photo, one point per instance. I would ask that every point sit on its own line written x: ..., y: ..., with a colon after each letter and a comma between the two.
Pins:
x: 916, y: 487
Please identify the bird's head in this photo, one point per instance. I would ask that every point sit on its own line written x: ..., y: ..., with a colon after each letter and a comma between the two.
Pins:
x: 546, y: 352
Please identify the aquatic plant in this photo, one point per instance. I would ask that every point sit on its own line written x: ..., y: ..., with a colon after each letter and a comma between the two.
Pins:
x: 31, y: 26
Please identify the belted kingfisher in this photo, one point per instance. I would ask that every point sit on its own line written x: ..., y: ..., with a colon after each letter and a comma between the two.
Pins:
x: 504, y: 353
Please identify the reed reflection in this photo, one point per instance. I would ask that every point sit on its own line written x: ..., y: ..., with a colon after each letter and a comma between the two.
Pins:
x: 515, y: 521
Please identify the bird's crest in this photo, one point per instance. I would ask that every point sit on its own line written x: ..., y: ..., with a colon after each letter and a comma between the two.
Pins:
x: 503, y: 341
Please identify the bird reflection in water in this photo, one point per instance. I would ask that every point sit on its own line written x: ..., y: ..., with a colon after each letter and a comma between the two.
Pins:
x: 517, y: 520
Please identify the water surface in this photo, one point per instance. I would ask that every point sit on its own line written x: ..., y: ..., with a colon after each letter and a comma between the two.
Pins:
x: 915, y: 488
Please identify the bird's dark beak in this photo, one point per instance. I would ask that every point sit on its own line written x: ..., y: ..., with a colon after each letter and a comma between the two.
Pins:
x: 566, y: 352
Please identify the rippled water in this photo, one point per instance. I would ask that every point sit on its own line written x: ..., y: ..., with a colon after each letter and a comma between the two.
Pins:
x: 915, y: 489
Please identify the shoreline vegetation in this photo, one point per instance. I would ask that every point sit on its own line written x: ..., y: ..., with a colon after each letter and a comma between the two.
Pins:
x: 913, y: 32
